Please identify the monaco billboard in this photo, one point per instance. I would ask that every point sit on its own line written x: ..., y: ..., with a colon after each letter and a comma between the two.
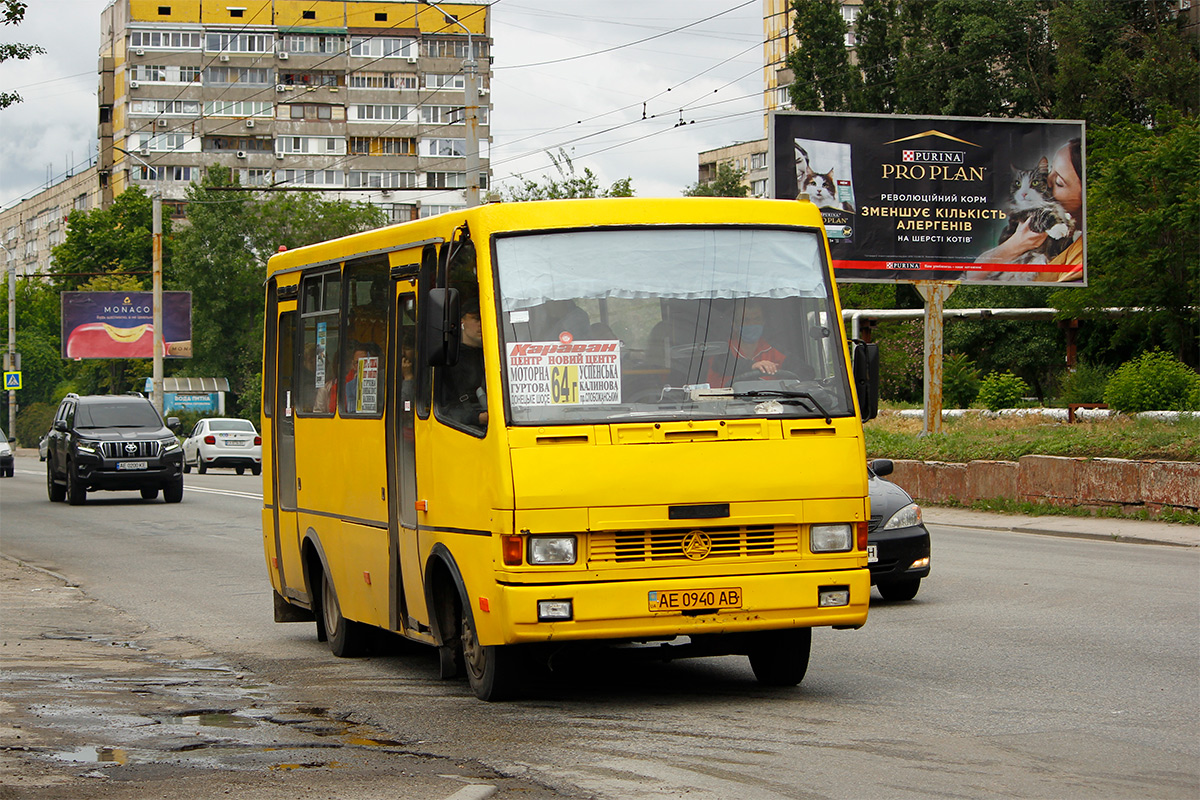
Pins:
x: 121, y: 325
x: 939, y: 198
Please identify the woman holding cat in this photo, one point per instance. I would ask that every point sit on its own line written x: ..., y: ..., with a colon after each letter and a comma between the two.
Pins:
x: 1066, y: 186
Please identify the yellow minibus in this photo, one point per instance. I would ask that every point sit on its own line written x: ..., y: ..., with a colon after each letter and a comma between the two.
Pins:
x: 511, y: 429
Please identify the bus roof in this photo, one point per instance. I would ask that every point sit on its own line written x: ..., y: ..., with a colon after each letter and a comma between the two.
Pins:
x: 549, y: 214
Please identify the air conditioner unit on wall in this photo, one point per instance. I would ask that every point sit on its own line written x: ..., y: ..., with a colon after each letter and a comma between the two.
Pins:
x: 224, y: 56
x: 139, y: 52
x: 279, y: 87
x: 241, y: 153
x: 412, y: 59
x: 249, y: 123
x: 162, y: 123
x: 133, y: 84
x: 283, y: 56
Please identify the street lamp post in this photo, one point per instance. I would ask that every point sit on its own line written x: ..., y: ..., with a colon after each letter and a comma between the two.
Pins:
x: 471, y: 106
x: 156, y: 284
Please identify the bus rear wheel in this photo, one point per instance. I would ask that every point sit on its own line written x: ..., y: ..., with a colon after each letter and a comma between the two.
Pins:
x: 347, y: 639
x: 493, y: 670
x: 780, y: 658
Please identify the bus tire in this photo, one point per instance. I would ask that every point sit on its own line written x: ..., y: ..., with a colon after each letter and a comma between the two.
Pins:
x: 494, y: 671
x: 347, y: 639
x: 780, y: 658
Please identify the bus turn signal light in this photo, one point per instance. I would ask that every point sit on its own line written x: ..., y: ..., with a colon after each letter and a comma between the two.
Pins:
x: 861, y: 529
x: 514, y: 551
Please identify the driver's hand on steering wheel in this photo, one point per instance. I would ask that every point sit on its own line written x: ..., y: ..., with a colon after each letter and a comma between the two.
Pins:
x: 766, y: 367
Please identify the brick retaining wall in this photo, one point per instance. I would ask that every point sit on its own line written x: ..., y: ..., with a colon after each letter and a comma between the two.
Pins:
x: 1094, y: 482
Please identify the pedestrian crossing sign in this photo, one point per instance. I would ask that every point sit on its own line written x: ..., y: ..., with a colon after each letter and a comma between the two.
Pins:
x: 12, y: 381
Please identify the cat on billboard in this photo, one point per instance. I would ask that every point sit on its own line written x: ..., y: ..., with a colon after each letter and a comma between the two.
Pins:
x: 121, y: 325
x: 939, y: 199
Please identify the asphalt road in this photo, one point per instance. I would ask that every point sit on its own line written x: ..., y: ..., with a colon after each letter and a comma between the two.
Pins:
x: 1028, y: 666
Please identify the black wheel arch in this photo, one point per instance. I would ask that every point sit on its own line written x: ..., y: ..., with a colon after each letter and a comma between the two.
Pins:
x: 442, y: 574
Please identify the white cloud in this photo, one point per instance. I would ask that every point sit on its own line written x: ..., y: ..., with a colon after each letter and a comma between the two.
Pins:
x: 592, y: 106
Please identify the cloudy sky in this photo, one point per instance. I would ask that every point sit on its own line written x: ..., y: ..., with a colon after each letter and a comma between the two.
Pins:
x: 575, y: 74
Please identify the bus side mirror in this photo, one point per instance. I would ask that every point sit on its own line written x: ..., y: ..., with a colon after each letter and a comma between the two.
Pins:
x: 442, y: 323
x: 864, y: 357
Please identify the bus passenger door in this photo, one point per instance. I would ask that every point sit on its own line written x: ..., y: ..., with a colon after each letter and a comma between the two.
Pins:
x: 283, y: 473
x: 408, y: 601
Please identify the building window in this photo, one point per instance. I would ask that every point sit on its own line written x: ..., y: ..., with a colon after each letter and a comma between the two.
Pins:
x: 218, y: 144
x: 174, y: 108
x: 311, y: 111
x: 445, y: 180
x: 311, y: 177
x: 310, y: 145
x: 382, y: 80
x: 238, y: 76
x: 444, y: 147
x: 382, y: 146
x: 307, y: 43
x: 759, y: 188
x: 379, y: 179
x: 238, y: 108
x: 380, y: 47
x: 142, y: 172
x: 255, y: 177
x: 238, y: 43
x: 164, y: 74
x: 433, y: 211
x: 165, y: 40
x: 163, y: 142
x: 316, y: 78
x: 445, y: 82
x: 387, y: 113
x: 758, y: 161
x: 443, y: 115
x: 445, y: 47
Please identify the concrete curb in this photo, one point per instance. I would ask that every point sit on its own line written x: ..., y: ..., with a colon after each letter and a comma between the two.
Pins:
x: 1097, y: 528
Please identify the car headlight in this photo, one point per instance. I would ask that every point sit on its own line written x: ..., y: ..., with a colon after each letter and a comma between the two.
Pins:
x: 551, y: 549
x: 831, y: 538
x: 906, y: 517
x: 85, y: 446
x: 169, y: 444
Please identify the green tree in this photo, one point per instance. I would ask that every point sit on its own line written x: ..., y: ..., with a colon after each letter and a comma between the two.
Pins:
x: 13, y: 11
x: 568, y: 184
x: 1144, y: 236
x: 824, y: 78
x: 117, y: 239
x: 730, y: 181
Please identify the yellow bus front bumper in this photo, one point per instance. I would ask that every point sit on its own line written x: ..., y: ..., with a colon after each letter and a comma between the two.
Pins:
x: 621, y: 610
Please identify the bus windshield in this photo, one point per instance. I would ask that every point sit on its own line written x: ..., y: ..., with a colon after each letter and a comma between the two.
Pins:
x: 692, y: 322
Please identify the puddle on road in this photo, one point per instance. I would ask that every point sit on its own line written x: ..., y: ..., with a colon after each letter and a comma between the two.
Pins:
x: 94, y: 755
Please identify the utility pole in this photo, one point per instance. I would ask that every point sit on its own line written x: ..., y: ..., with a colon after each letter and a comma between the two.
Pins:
x: 156, y: 381
x: 471, y: 107
x: 12, y: 337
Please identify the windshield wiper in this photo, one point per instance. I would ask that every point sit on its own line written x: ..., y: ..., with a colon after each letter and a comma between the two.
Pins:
x: 787, y: 393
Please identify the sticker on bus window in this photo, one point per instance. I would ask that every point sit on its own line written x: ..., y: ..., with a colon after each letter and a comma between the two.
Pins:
x: 366, y: 392
x: 564, y: 373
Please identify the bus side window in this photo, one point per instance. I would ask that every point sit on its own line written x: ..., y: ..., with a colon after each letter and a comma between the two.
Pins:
x: 321, y: 296
x: 362, y: 375
x: 461, y: 390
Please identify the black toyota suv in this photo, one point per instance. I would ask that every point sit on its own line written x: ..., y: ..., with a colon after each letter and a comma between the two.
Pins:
x: 115, y: 442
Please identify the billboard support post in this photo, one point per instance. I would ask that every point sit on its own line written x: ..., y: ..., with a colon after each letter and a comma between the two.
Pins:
x: 935, y: 295
x: 157, y: 268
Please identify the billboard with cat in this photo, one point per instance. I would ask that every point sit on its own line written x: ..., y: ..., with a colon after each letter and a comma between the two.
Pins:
x: 908, y: 198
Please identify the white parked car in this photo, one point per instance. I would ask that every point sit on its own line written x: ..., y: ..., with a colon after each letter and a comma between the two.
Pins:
x: 220, y: 442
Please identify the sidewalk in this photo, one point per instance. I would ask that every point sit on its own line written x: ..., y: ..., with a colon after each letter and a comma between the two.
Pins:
x: 1107, y: 528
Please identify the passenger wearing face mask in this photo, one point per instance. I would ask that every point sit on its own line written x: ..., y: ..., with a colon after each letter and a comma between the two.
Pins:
x: 748, y: 350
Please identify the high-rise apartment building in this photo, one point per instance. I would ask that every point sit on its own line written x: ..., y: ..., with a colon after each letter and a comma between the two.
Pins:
x: 365, y: 98
x: 360, y: 99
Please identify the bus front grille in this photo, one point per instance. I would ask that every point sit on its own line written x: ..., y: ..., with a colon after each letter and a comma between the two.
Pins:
x: 747, y: 541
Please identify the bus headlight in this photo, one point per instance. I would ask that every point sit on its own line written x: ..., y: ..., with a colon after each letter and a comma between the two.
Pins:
x: 551, y: 549
x: 830, y: 538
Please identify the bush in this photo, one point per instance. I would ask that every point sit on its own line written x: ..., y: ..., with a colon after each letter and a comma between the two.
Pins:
x: 1001, y: 390
x: 32, y: 422
x: 1085, y: 385
x: 1154, y: 381
x: 960, y: 381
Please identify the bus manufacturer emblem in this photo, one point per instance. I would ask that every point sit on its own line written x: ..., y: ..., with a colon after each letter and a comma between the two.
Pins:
x: 697, y: 545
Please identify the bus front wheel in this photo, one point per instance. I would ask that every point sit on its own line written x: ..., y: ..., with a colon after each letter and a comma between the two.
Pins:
x: 347, y: 639
x: 780, y: 658
x: 493, y: 670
